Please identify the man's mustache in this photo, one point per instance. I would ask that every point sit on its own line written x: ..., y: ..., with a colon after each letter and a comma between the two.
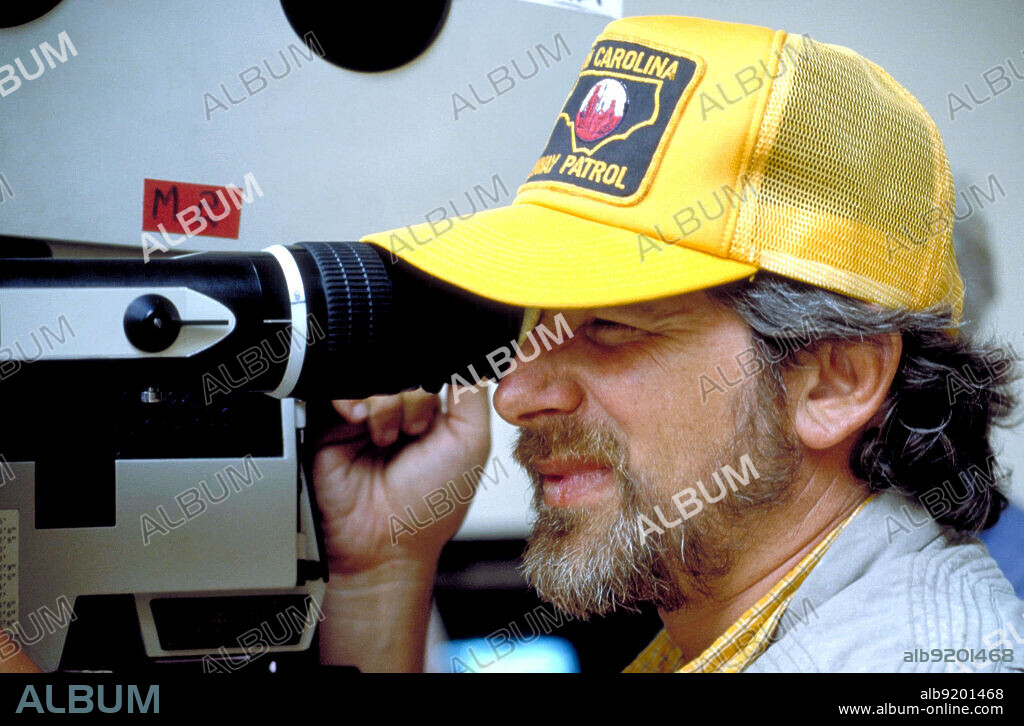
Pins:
x: 570, y: 439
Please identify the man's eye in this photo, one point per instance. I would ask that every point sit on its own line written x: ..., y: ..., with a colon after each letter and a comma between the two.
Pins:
x: 607, y: 331
x: 600, y: 323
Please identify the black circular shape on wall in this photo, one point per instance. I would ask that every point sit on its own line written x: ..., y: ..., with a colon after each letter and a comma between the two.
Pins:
x: 368, y: 37
x: 14, y: 13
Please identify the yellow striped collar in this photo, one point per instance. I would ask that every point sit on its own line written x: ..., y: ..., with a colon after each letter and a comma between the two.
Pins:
x: 748, y: 637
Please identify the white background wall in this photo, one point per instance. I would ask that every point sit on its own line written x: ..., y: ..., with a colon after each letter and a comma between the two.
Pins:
x: 339, y: 154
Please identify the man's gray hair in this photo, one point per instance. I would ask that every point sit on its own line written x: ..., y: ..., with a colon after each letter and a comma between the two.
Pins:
x: 934, y: 426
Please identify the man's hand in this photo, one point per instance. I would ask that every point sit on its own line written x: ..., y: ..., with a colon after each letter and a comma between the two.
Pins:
x: 386, y: 454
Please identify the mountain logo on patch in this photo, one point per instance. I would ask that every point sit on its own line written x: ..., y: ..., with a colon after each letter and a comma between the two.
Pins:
x: 601, y: 111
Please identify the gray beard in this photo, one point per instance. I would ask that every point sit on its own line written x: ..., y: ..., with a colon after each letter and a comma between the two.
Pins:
x: 592, y: 561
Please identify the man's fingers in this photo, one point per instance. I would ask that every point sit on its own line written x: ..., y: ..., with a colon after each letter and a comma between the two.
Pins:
x: 339, y: 433
x: 387, y: 416
x: 353, y: 411
x: 469, y: 407
x: 418, y: 409
x: 385, y: 419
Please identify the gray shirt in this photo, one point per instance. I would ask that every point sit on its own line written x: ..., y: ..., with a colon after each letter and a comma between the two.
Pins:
x: 894, y: 582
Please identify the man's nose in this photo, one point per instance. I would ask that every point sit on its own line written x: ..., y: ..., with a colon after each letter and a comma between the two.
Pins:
x: 540, y: 386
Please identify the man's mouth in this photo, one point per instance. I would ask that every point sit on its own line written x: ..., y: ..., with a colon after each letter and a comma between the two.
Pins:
x: 570, y: 482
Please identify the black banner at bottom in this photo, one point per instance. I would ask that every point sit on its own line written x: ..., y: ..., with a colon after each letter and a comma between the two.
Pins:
x: 342, y: 693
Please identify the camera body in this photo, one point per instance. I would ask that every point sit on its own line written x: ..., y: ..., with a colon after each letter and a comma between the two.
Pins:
x: 201, y: 514
x: 156, y: 499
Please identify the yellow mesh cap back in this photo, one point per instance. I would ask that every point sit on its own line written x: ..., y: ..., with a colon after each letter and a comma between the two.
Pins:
x: 853, y: 190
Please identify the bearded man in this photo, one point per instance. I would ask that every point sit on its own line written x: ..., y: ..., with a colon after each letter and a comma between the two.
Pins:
x: 763, y: 395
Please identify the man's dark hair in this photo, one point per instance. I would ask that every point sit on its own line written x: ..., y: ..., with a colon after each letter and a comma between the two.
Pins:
x: 932, y: 431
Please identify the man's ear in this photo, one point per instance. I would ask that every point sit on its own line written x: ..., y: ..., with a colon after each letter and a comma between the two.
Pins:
x: 837, y: 387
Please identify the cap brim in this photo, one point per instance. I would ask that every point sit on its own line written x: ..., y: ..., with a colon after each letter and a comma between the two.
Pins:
x: 533, y: 256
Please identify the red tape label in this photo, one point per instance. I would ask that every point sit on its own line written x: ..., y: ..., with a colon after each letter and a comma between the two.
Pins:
x: 191, y: 209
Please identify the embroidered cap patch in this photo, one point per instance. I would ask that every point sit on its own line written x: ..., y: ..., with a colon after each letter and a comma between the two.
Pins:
x: 615, y: 118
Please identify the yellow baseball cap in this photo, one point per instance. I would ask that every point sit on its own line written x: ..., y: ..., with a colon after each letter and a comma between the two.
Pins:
x: 691, y: 153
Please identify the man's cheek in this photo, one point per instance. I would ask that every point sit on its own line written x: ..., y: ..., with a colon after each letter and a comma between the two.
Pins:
x: 723, y: 374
